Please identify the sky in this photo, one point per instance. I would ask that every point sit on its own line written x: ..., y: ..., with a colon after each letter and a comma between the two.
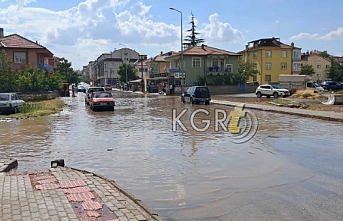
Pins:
x: 81, y: 30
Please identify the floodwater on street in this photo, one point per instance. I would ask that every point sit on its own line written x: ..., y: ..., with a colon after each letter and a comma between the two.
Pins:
x: 292, y: 169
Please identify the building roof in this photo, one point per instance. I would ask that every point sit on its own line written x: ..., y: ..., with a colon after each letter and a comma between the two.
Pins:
x: 269, y: 42
x: 205, y: 50
x: 161, y: 57
x: 17, y: 41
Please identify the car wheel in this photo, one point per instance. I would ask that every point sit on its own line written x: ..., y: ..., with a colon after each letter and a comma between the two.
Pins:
x: 15, y: 110
x: 207, y: 103
x: 191, y: 100
x: 258, y: 94
x: 275, y: 95
x: 182, y: 100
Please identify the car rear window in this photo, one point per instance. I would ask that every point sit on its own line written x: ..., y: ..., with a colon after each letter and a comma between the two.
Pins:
x: 95, y: 89
x: 102, y: 95
x: 4, y: 97
x: 202, y: 92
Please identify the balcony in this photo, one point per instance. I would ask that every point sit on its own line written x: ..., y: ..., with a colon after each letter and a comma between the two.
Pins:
x: 173, y: 70
x: 218, y: 70
x: 46, y: 67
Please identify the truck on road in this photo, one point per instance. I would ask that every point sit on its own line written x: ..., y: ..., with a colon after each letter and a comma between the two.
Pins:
x: 299, y: 82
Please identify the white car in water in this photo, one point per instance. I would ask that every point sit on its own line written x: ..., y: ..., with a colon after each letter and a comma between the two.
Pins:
x: 269, y: 90
x: 10, y: 103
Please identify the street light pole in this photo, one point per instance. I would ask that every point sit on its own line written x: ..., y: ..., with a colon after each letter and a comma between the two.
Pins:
x: 125, y: 53
x: 142, y: 58
x: 181, y: 65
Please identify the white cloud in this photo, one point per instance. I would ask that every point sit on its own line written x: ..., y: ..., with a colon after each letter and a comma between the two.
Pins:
x: 336, y: 34
x: 218, y: 31
x: 304, y: 36
x: 332, y: 35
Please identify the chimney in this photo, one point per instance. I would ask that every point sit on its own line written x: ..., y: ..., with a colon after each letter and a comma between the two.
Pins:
x: 292, y: 44
x: 161, y: 53
x: 203, y: 46
x: 1, y: 32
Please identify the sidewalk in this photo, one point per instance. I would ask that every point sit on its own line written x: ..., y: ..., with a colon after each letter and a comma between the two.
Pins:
x: 69, y: 194
x: 324, y: 115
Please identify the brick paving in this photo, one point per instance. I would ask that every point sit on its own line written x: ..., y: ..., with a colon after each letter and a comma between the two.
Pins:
x: 64, y: 193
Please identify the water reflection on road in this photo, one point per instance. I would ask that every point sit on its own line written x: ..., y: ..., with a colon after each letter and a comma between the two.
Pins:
x: 291, y: 169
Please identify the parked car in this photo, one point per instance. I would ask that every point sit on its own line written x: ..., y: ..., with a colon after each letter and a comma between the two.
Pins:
x: 102, y: 100
x: 89, y: 92
x: 332, y: 86
x: 108, y: 87
x: 81, y: 88
x: 10, y: 103
x: 269, y: 90
x: 196, y: 94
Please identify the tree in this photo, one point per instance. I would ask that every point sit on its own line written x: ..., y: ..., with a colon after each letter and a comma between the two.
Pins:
x: 66, y: 71
x: 245, y: 70
x: 307, y: 70
x: 127, y: 70
x: 191, y: 39
x: 7, y: 76
x: 324, y: 54
x: 335, y: 72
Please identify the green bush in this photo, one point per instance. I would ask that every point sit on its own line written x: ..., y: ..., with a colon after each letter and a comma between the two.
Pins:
x: 30, y: 107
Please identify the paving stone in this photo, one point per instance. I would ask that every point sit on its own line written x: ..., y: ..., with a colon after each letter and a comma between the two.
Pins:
x: 28, y: 203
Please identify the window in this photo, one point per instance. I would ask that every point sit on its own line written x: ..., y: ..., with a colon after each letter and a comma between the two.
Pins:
x: 268, y: 66
x: 283, y: 66
x: 196, y: 62
x: 215, y: 62
x: 255, y: 55
x: 283, y: 54
x: 254, y: 66
x: 296, y: 54
x: 20, y: 57
x: 229, y: 68
x: 254, y: 78
x: 327, y: 66
x: 319, y: 66
x: 268, y: 54
x: 296, y: 66
x: 268, y: 78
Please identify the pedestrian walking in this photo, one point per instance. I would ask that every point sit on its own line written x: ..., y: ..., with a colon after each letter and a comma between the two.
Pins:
x: 171, y: 88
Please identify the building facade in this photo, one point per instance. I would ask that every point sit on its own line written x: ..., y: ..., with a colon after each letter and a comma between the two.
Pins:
x: 104, y: 70
x: 272, y: 58
x: 320, y: 65
x: 203, y: 61
x: 24, y: 53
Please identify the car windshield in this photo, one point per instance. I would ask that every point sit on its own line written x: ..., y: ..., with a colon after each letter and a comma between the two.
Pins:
x: 4, y: 97
x: 276, y: 86
x: 316, y: 84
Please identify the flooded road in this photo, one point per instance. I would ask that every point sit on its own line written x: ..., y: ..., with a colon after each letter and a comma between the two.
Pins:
x: 292, y: 169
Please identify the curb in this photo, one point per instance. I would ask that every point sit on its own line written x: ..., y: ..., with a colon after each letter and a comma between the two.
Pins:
x: 8, y: 164
x: 129, y: 195
x: 282, y: 111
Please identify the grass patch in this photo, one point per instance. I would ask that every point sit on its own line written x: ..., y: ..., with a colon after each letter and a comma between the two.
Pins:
x: 308, y: 94
x: 38, y: 108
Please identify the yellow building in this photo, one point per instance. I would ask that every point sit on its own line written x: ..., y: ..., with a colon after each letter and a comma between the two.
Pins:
x: 320, y: 64
x: 272, y: 58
